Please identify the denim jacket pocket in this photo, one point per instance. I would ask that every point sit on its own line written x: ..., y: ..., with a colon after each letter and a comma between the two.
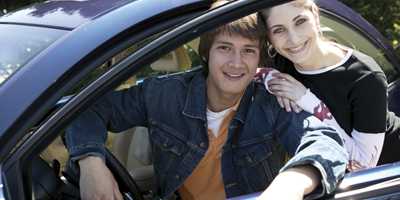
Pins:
x: 253, y: 165
x: 167, y: 148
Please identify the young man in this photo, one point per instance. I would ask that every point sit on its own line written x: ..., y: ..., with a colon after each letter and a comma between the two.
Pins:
x: 215, y: 134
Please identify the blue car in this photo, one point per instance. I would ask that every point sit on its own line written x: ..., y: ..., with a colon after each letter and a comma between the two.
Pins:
x: 59, y: 56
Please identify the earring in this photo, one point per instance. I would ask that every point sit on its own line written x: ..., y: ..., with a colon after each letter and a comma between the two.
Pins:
x: 271, y: 51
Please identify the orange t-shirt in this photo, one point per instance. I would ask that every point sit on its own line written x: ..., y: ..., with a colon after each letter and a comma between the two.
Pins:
x: 206, y: 182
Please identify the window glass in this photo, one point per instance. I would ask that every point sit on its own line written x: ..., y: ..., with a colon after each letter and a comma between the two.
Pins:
x: 56, y: 150
x: 181, y: 59
x: 19, y: 44
x: 343, y: 33
x: 132, y: 147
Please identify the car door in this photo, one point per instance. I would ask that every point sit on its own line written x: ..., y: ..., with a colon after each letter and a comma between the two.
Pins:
x: 132, y: 61
x: 18, y: 166
x: 128, y: 56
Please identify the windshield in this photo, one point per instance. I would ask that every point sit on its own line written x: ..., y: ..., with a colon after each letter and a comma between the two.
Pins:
x: 19, y: 44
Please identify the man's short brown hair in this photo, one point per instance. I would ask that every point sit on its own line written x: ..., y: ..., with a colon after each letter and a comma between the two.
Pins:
x: 246, y: 27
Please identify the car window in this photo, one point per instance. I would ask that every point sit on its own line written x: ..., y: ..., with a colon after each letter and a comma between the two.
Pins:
x: 132, y: 147
x: 19, y: 44
x: 180, y: 59
x: 110, y: 63
x: 337, y: 30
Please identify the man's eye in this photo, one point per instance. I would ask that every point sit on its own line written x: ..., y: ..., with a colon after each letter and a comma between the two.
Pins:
x: 224, y: 48
x: 249, y: 51
x: 301, y: 21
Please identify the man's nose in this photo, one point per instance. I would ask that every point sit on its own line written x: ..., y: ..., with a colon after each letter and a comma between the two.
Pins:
x: 236, y: 59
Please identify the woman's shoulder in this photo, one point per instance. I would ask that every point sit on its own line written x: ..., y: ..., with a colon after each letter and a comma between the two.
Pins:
x: 362, y: 63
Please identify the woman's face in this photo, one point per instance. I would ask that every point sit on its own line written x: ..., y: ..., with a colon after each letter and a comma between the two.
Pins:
x: 294, y: 32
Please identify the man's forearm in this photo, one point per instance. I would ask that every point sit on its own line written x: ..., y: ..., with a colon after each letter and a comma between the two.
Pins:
x: 293, y: 183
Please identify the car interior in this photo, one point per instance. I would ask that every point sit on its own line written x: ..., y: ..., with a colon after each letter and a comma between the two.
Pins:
x: 132, y: 148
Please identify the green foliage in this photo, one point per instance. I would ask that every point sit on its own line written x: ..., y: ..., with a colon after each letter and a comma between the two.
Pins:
x: 383, y: 14
x: 8, y: 5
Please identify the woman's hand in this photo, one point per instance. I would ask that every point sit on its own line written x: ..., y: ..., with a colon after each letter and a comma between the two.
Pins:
x: 285, y: 86
x: 288, y: 104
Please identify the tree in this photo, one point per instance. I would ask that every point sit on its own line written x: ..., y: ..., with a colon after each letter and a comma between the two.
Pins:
x: 383, y: 14
x: 9, y: 5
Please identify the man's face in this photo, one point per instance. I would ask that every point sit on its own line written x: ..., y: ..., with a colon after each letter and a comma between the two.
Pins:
x: 233, y: 61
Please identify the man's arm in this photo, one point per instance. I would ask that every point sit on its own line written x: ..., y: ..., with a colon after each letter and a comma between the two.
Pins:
x: 96, y: 180
x: 86, y: 136
x: 116, y: 111
x: 296, y: 182
x: 314, y: 145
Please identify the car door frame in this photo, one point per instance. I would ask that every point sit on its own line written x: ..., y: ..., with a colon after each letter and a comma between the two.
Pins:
x: 17, y: 164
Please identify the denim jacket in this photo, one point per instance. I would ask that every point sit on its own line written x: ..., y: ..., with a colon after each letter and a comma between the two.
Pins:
x: 174, y: 110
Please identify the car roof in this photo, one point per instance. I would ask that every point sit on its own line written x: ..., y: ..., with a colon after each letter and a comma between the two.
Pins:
x: 67, y: 14
x: 54, y: 13
x: 99, y: 26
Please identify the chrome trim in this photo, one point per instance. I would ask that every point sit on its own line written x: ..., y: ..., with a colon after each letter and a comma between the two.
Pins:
x: 1, y: 187
x: 369, y: 177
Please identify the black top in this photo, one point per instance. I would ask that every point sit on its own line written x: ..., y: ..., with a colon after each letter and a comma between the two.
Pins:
x: 355, y: 92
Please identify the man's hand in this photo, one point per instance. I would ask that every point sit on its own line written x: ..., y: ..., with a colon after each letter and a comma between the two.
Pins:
x: 292, y: 184
x: 96, y: 181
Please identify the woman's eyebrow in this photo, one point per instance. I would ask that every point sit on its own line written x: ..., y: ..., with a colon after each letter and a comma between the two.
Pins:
x: 297, y: 17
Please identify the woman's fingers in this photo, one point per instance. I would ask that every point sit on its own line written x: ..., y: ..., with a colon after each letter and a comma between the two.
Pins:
x: 284, y: 76
x: 287, y: 86
x: 295, y: 107
x: 286, y: 103
x: 281, y: 88
x: 280, y: 101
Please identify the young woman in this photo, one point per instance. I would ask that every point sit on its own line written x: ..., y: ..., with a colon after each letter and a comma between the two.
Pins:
x: 335, y: 83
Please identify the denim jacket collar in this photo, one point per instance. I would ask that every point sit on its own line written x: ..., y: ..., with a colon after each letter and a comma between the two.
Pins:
x: 196, y: 100
x: 245, y: 103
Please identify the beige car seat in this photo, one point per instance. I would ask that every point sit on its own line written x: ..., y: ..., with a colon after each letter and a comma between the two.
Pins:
x: 132, y: 148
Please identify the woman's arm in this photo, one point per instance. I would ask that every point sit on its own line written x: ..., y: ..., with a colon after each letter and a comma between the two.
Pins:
x: 364, y: 148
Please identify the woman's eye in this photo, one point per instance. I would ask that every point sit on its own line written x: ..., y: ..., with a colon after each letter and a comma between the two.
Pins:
x: 278, y: 30
x: 301, y: 21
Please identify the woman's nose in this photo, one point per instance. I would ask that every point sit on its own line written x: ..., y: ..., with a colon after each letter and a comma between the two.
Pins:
x: 293, y: 37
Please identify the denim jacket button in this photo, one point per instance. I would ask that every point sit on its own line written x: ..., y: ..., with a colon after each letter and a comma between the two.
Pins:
x: 249, y: 159
x: 177, y: 176
x: 202, y: 144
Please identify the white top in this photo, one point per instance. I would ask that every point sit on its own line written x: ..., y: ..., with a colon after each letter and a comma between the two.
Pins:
x: 325, y: 69
x: 214, y: 120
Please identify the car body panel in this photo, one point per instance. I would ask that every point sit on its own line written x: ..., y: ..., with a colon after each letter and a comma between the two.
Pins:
x: 58, y: 59
x: 65, y: 60
x: 53, y: 13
